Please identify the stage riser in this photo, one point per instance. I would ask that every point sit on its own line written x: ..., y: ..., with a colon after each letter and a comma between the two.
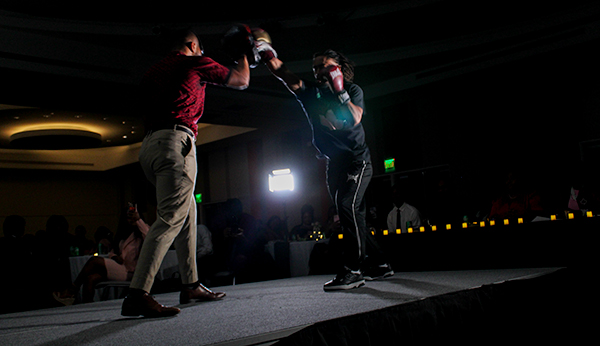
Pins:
x: 530, y: 311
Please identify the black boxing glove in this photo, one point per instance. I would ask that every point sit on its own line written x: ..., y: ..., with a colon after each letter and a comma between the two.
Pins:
x: 238, y: 41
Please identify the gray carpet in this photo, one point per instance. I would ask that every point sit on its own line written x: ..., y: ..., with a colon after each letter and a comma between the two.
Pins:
x: 251, y: 314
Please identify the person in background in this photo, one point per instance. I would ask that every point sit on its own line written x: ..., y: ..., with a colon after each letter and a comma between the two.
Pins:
x: 54, y: 266
x: 334, y: 107
x: 17, y: 267
x: 516, y: 200
x: 583, y: 195
x: 121, y: 261
x: 305, y: 228
x: 275, y: 229
x: 83, y: 245
x: 403, y: 214
x: 104, y: 240
x: 332, y: 225
x: 204, y: 252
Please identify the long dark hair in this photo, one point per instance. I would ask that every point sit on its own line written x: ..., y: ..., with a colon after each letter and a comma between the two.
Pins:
x: 346, y: 64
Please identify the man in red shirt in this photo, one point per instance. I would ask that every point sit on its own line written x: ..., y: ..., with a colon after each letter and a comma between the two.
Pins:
x: 173, y: 92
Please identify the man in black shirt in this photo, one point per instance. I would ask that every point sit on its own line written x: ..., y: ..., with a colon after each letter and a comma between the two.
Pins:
x: 334, y: 107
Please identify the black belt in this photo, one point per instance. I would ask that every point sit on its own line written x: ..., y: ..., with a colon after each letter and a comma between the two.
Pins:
x: 174, y: 127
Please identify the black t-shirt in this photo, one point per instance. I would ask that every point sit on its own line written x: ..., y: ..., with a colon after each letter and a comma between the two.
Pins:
x: 334, y: 133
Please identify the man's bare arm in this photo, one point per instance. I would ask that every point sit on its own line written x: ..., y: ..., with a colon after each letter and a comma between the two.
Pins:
x: 240, y: 75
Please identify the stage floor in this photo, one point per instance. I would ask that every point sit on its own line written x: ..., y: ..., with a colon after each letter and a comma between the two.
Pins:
x: 252, y: 314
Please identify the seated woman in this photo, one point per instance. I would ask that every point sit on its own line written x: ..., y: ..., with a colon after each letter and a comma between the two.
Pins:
x: 516, y: 200
x: 121, y: 262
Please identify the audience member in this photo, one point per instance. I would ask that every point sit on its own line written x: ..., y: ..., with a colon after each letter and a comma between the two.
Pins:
x: 13, y: 245
x: 14, y: 227
x: 54, y: 266
x: 234, y: 235
x: 275, y: 229
x: 403, y: 215
x: 515, y: 200
x: 121, y: 261
x: 204, y: 253
x: 374, y: 221
x: 57, y: 229
x: 442, y: 203
x: 104, y: 240
x: 16, y: 267
x: 305, y: 228
x: 582, y: 194
x: 84, y: 245
x: 325, y: 257
x: 204, y: 242
x: 332, y: 225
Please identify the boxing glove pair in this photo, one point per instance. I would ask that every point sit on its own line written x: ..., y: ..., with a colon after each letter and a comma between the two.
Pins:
x: 255, y: 44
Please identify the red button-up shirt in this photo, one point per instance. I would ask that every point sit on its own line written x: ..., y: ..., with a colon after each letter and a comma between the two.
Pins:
x: 174, y: 90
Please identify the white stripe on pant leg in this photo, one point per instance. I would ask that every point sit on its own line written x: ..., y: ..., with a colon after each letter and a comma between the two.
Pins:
x: 359, y: 181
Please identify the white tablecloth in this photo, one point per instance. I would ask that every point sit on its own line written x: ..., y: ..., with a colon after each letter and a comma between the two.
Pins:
x: 167, y: 268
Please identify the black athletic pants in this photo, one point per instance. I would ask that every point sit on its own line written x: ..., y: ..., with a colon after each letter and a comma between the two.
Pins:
x: 347, y: 184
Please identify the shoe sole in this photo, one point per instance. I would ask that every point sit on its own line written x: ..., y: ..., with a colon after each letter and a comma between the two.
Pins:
x: 130, y: 313
x: 135, y: 312
x: 200, y: 300
x: 386, y: 275
x: 148, y: 315
x: 345, y: 287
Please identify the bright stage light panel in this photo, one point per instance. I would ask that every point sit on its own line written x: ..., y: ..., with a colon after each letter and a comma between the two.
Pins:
x: 281, y: 180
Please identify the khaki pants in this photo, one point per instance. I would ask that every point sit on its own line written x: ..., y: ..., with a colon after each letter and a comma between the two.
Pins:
x: 168, y: 158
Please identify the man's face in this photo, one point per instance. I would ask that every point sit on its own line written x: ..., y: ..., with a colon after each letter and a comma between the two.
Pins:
x: 321, y: 62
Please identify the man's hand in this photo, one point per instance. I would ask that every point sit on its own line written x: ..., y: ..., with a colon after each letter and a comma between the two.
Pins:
x: 132, y: 214
x: 238, y: 41
x: 266, y: 51
x: 263, y: 42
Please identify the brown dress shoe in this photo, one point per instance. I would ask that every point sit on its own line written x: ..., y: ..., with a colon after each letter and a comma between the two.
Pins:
x: 200, y: 293
x: 145, y: 305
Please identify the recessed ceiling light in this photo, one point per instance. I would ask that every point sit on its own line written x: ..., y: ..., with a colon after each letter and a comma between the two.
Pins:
x: 51, y: 139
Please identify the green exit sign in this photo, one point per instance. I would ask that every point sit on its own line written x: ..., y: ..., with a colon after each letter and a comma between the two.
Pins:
x: 390, y: 165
